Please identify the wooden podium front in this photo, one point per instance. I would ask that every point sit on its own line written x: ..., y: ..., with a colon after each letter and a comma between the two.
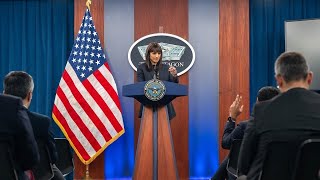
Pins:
x: 155, y: 157
x: 145, y: 159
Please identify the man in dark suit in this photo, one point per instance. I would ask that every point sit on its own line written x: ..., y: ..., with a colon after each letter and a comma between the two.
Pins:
x: 232, y: 132
x: 20, y: 84
x: 15, y: 128
x: 292, y: 115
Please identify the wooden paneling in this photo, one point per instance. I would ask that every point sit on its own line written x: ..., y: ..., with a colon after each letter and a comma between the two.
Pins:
x: 143, y: 169
x: 144, y: 155
x: 96, y: 168
x: 233, y: 59
x: 170, y: 17
x: 167, y: 168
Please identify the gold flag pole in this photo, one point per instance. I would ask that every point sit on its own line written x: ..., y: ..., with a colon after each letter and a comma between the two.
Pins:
x: 88, y: 3
x: 87, y: 177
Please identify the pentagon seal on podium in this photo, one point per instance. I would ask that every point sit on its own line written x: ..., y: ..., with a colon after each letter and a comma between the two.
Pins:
x: 154, y: 90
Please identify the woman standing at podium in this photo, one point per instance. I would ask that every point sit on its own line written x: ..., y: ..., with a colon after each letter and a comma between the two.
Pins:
x: 153, y: 68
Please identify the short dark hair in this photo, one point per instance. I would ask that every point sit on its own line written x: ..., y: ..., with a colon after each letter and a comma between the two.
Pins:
x: 153, y: 47
x: 267, y: 92
x: 292, y: 66
x: 18, y: 83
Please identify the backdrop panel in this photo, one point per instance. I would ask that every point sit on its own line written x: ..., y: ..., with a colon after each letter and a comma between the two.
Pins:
x: 203, y: 88
x: 233, y: 59
x: 170, y: 17
x: 119, y: 36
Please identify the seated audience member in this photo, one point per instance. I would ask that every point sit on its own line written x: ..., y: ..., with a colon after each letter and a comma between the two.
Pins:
x: 20, y: 84
x: 293, y: 114
x: 232, y: 132
x: 15, y: 127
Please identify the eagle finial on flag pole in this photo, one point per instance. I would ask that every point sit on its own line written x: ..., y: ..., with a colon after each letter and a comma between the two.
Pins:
x: 88, y: 4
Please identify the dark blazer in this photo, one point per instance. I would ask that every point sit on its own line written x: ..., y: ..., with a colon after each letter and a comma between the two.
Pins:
x: 143, y: 74
x: 43, y: 133
x: 293, y: 115
x: 15, y: 127
x: 231, y: 133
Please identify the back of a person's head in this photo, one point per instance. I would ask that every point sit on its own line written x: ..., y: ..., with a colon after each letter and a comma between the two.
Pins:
x: 18, y: 83
x: 267, y: 93
x: 292, y: 66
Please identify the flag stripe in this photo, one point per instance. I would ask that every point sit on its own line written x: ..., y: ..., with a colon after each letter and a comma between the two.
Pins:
x: 110, y: 101
x: 108, y: 76
x: 102, y: 104
x: 92, y: 101
x: 107, y: 111
x: 108, y: 87
x: 85, y: 106
x: 77, y: 120
x: 78, y: 134
x: 70, y: 133
x: 71, y: 100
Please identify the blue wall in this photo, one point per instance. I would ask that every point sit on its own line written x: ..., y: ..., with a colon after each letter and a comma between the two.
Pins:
x: 204, y: 88
x: 119, y: 36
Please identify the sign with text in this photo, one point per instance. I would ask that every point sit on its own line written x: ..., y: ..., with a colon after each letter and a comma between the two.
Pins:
x: 176, y: 51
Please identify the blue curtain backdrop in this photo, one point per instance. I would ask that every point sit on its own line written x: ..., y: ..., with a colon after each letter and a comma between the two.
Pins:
x: 267, y: 37
x: 37, y: 37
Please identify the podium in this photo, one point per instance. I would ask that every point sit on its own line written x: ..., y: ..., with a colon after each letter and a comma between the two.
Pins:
x: 155, y: 157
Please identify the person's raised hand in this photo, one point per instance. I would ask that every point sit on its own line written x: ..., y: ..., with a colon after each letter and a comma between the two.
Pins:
x: 173, y: 71
x: 236, y: 107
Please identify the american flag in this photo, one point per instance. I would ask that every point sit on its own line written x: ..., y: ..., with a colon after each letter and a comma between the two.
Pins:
x: 87, y: 107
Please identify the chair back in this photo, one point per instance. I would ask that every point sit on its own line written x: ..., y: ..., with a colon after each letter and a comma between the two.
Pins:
x: 279, y: 160
x: 43, y: 171
x: 7, y: 165
x: 65, y: 156
x: 232, y: 166
x: 307, y: 166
